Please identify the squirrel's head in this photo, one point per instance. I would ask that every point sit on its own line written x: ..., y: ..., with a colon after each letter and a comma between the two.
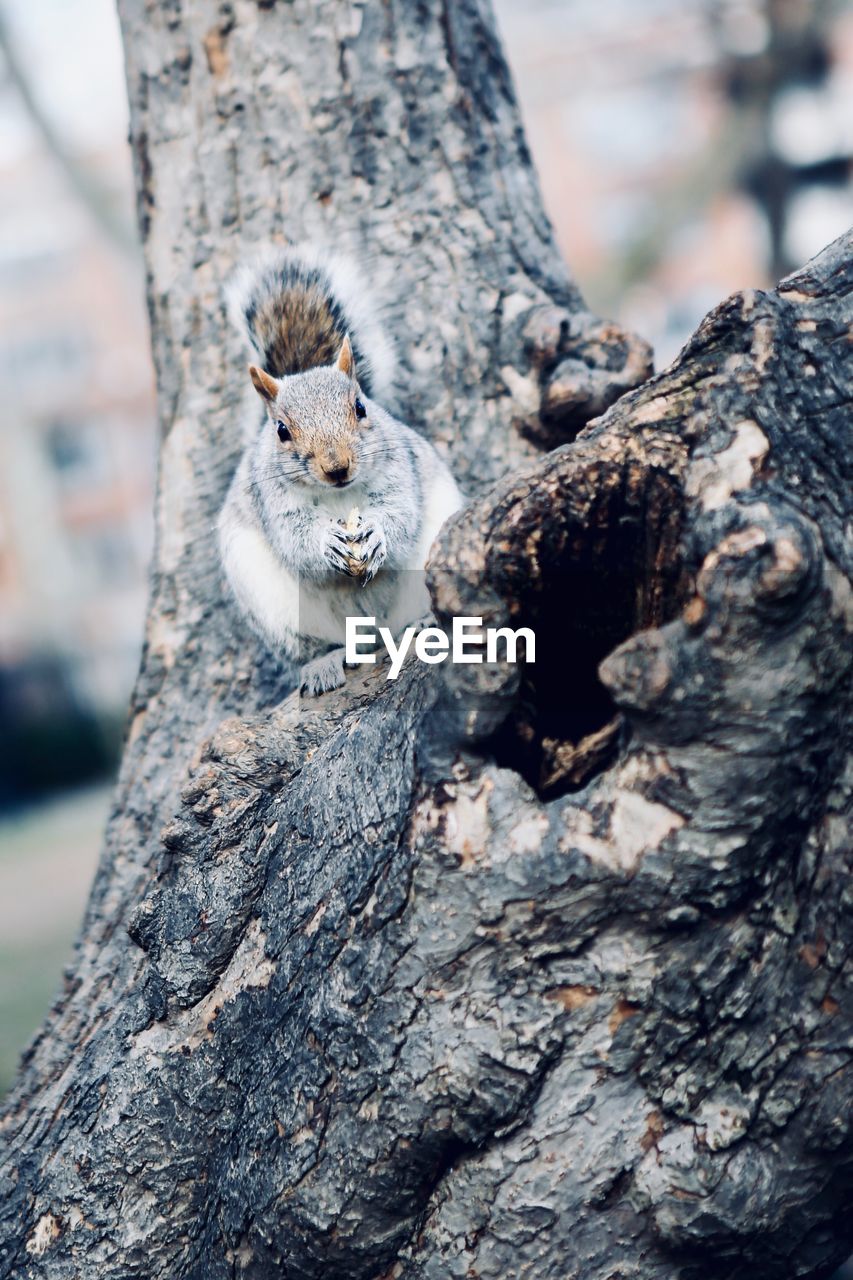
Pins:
x: 320, y: 420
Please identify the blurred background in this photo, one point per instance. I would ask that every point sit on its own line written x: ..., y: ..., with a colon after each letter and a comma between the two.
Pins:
x: 686, y: 148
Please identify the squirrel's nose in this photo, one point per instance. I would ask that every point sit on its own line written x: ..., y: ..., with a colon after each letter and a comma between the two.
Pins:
x: 336, y: 475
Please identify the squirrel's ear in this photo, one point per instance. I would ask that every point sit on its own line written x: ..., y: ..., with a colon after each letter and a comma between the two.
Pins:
x: 265, y: 386
x: 346, y: 359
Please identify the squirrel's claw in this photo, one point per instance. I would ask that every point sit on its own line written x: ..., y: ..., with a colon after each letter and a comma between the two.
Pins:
x: 372, y: 549
x: 375, y: 550
x: 320, y: 675
x: 336, y: 551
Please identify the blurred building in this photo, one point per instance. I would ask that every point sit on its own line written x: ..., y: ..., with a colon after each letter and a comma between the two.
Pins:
x: 686, y: 148
x: 77, y: 445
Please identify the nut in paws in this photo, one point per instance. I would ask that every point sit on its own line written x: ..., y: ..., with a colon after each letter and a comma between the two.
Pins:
x: 336, y: 550
x: 373, y: 548
x: 366, y: 546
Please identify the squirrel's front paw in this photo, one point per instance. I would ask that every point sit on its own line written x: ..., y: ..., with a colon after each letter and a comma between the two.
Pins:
x: 336, y: 549
x: 373, y: 548
x: 322, y: 674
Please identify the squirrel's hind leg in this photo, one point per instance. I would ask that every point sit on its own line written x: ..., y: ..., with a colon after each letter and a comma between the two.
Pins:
x: 322, y: 674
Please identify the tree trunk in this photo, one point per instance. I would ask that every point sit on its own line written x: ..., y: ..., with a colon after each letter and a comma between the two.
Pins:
x: 475, y: 973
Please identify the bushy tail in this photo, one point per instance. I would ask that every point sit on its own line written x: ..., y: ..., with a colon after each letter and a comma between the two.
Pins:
x: 295, y: 307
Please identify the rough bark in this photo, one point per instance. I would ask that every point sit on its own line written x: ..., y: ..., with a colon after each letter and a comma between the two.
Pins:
x: 490, y: 971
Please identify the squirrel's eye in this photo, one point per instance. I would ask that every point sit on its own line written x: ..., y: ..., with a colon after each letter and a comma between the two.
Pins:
x: 283, y: 433
x: 360, y: 411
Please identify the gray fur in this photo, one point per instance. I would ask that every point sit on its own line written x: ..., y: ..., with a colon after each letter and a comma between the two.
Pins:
x: 284, y: 549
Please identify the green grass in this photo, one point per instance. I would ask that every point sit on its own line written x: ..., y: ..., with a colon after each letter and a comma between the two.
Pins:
x: 47, y: 859
x: 30, y: 978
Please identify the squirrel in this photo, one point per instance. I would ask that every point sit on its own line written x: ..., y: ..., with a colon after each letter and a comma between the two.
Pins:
x: 334, y: 499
